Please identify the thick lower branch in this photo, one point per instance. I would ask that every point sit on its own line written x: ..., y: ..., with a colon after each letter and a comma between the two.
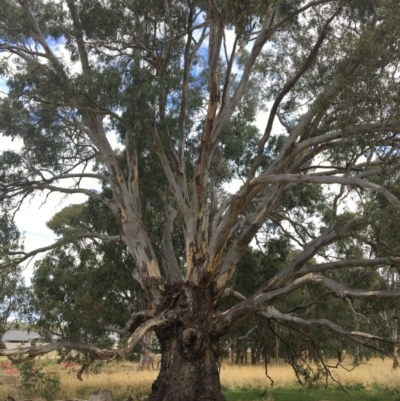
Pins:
x: 162, y: 320
x: 231, y: 318
x: 256, y: 303
x: 271, y: 313
x: 132, y: 324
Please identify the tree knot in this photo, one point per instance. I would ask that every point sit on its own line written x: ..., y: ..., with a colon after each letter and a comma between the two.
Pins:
x: 192, y: 341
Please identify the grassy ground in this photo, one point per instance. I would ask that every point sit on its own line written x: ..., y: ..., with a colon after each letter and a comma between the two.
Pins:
x: 370, y: 382
x: 296, y: 394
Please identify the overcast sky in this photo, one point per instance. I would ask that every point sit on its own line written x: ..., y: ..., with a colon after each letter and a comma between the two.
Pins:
x: 36, y: 211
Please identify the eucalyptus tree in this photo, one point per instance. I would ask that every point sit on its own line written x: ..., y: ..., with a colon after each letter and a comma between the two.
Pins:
x: 182, y: 84
x: 12, y: 287
x: 82, y: 287
x: 81, y: 277
x: 383, y: 239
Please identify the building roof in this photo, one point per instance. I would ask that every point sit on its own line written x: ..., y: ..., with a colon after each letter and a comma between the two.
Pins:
x: 19, y: 336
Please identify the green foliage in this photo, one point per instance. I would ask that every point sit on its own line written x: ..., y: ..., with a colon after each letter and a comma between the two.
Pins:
x: 35, y: 382
x: 309, y: 375
x: 12, y: 287
x: 244, y: 15
x: 9, y: 235
x: 80, y: 290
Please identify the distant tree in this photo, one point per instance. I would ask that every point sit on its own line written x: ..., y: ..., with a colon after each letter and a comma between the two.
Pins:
x: 82, y: 287
x: 383, y: 237
x: 12, y: 286
x: 254, y: 268
x: 182, y: 84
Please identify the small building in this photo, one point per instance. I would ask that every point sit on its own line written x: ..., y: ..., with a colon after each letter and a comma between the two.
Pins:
x: 19, y: 338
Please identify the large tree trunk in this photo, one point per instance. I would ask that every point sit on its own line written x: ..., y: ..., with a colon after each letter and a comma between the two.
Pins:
x: 190, y: 351
x: 189, y: 367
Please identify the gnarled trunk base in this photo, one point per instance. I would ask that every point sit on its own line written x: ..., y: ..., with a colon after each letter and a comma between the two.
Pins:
x: 189, y: 367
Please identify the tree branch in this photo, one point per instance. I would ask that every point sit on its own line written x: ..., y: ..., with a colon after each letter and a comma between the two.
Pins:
x: 170, y: 264
x: 271, y: 313
x: 180, y: 193
x: 59, y: 242
x: 231, y: 318
x: 164, y: 319
x: 342, y: 291
x: 286, y: 89
x: 317, y: 179
x: 311, y: 250
x: 341, y: 264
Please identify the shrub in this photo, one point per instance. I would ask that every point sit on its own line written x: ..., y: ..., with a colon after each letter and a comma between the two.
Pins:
x: 35, y: 382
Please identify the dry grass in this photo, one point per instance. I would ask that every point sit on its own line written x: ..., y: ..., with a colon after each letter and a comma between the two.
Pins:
x: 123, y: 378
x: 119, y: 378
x: 374, y: 372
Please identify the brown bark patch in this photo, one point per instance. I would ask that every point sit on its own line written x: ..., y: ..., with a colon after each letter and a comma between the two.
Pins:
x: 192, y: 344
x: 189, y: 367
